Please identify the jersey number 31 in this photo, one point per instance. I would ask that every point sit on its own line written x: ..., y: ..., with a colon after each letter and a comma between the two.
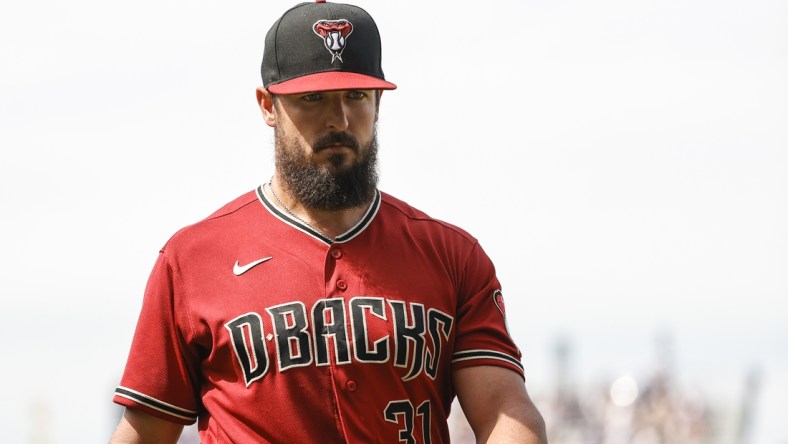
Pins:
x: 401, y: 412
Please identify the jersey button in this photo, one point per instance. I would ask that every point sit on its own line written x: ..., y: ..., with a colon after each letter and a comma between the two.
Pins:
x: 342, y: 285
x: 351, y: 385
x: 336, y: 254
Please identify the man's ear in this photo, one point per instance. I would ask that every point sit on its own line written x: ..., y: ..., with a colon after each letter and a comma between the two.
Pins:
x: 266, y: 101
x: 379, y: 95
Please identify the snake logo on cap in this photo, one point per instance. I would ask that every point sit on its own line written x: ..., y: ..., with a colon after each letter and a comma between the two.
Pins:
x: 334, y: 34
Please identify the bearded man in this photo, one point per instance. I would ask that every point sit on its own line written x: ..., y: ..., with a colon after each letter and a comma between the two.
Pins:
x: 317, y: 308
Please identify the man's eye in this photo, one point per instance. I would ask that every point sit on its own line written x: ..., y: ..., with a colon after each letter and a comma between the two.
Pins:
x: 356, y: 95
x: 311, y: 97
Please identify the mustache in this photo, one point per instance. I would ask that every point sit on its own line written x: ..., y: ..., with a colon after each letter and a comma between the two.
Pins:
x: 341, y: 138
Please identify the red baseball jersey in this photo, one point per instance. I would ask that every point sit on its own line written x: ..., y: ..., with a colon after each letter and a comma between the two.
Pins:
x: 266, y: 331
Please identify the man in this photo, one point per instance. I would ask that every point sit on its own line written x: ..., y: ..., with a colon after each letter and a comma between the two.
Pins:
x: 316, y: 308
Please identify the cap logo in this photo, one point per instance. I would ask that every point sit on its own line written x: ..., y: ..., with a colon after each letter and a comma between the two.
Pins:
x: 334, y: 34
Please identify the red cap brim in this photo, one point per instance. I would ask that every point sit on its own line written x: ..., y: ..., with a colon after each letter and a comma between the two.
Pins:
x: 330, y: 81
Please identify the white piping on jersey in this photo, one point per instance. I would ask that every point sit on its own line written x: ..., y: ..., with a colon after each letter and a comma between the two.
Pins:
x: 467, y: 355
x: 354, y: 231
x: 155, y: 404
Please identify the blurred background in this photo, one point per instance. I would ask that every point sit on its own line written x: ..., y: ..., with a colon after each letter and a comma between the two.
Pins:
x: 624, y: 163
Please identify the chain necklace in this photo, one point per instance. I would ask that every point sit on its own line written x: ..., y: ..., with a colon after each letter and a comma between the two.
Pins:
x: 287, y: 209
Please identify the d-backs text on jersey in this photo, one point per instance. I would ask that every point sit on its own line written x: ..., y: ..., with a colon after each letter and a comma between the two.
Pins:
x: 417, y: 337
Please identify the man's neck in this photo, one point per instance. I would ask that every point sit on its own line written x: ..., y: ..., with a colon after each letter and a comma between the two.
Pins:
x: 331, y: 223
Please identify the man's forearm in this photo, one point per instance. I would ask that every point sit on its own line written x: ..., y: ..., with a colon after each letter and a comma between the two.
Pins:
x: 516, y: 424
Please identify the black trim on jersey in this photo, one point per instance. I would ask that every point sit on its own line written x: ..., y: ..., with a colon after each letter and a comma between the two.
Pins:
x: 350, y: 234
x: 155, y: 403
x: 364, y: 222
x: 486, y: 354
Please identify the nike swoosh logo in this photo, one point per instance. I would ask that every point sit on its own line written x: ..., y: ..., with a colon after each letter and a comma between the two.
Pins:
x: 239, y: 269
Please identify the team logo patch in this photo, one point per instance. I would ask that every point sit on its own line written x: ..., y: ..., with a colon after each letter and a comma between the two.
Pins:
x: 498, y: 299
x: 334, y: 34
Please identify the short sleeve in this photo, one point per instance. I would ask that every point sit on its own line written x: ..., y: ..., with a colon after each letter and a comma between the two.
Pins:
x: 482, y: 332
x: 160, y: 377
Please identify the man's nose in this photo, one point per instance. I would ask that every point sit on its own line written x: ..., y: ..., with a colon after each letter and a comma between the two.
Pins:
x: 336, y: 114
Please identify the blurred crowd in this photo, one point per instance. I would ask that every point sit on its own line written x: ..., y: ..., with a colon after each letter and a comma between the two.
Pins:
x: 661, y: 413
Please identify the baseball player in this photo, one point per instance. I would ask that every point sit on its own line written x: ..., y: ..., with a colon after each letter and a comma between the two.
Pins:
x: 317, y: 308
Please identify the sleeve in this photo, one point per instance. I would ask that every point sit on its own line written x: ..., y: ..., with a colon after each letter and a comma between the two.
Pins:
x: 160, y: 376
x: 482, y: 332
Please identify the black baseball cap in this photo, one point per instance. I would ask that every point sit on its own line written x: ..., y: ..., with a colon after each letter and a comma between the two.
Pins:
x: 323, y: 46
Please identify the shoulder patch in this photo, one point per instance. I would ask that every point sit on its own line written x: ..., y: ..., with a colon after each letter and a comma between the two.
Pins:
x: 498, y: 300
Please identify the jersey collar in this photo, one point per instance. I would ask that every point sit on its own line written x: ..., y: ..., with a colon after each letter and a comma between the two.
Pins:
x: 297, y: 224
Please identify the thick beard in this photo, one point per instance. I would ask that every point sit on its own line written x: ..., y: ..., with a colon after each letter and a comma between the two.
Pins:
x: 327, y: 188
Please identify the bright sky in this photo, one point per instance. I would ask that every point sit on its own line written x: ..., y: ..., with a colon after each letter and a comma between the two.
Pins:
x: 624, y: 163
